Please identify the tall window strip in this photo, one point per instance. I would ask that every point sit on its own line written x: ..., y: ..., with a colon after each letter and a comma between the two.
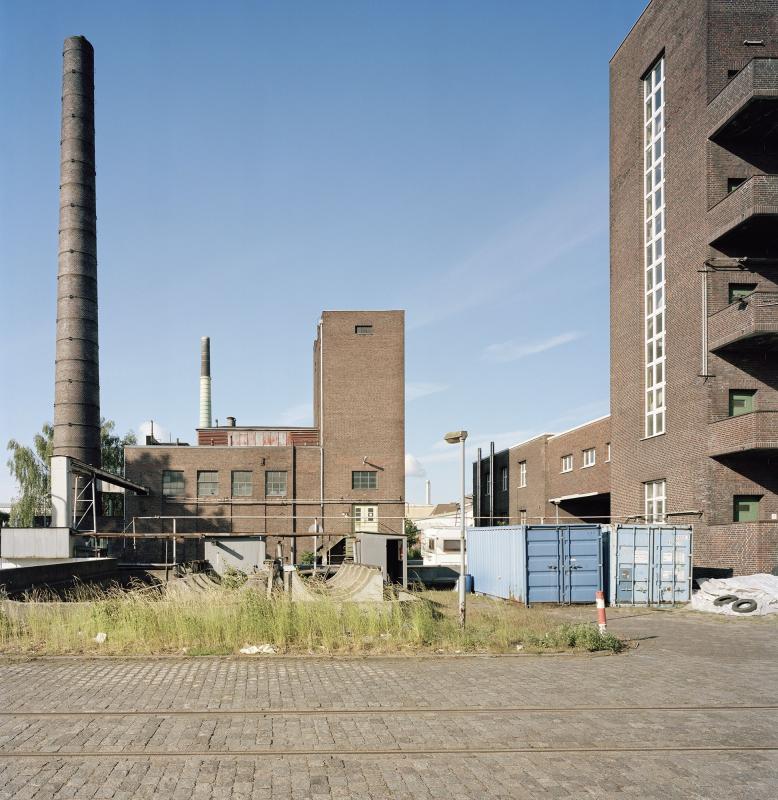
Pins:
x: 654, y: 140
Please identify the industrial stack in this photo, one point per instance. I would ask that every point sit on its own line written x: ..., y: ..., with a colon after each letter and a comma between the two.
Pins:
x: 77, y: 378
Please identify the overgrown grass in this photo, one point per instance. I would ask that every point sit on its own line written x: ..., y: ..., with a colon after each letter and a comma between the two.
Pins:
x: 221, y: 622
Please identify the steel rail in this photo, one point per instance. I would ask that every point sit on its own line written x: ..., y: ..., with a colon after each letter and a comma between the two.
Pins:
x: 396, y: 710
x: 124, y: 754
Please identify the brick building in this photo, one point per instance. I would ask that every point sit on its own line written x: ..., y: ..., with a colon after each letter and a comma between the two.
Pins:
x: 345, y: 473
x: 694, y: 271
x: 694, y: 283
x: 563, y: 476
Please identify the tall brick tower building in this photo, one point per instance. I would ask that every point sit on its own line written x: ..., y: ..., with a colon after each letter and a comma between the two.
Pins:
x: 694, y: 276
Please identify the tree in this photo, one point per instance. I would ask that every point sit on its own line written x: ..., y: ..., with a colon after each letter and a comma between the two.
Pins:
x: 30, y: 467
x: 412, y: 539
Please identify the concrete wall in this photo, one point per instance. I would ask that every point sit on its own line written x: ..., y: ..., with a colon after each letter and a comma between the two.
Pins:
x: 241, y: 553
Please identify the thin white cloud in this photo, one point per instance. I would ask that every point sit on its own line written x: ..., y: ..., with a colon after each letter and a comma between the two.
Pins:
x: 502, y: 352
x: 299, y: 414
x: 414, y: 467
x: 416, y: 389
x: 532, y: 242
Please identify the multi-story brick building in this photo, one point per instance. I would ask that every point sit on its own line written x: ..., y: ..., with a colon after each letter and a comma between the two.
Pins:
x: 346, y: 473
x: 563, y: 476
x: 694, y: 274
x: 694, y: 280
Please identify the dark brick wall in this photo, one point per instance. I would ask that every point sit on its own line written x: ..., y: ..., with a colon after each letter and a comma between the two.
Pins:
x: 701, y: 40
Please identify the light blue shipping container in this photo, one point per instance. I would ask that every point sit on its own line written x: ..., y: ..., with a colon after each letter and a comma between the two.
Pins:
x: 538, y: 563
x: 652, y: 564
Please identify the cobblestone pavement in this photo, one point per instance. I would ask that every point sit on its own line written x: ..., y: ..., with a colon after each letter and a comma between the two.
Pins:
x: 692, y: 712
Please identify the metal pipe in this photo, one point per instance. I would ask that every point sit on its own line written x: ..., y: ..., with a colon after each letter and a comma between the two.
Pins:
x: 704, y: 323
x: 462, y: 562
x: 491, y: 483
x: 77, y: 374
x: 477, y: 492
x: 321, y: 419
x: 205, y: 382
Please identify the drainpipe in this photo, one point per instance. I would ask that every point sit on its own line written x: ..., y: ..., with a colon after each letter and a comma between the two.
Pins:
x: 321, y: 423
x: 704, y: 323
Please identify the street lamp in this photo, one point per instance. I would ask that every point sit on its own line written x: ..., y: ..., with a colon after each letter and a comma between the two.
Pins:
x: 457, y: 437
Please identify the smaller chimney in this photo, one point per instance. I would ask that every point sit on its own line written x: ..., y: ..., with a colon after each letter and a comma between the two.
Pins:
x: 230, y: 422
x: 427, y: 493
x: 205, y: 382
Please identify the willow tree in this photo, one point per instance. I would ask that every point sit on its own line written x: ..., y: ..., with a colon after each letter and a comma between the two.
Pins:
x: 30, y: 467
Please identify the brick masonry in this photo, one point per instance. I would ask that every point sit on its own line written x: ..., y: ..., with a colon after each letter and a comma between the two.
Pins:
x: 363, y: 429
x: 702, y: 42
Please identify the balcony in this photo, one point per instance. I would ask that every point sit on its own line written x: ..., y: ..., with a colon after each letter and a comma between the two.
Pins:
x: 757, y: 431
x: 745, y: 221
x: 750, y: 322
x: 743, y: 117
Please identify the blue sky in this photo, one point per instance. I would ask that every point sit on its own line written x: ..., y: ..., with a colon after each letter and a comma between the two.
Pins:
x: 261, y: 161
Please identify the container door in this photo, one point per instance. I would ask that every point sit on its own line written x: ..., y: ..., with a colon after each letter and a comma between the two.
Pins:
x: 544, y: 561
x: 671, y: 550
x: 633, y: 565
x: 582, y: 563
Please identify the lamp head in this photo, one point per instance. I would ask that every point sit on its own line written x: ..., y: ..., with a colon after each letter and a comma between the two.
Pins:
x: 455, y: 437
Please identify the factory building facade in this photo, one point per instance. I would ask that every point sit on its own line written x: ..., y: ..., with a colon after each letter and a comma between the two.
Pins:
x: 694, y: 284
x: 561, y: 477
x: 344, y: 474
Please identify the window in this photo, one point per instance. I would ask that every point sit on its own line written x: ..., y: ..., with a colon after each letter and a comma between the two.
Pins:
x: 654, y: 237
x: 733, y: 183
x: 745, y: 507
x: 451, y: 545
x: 522, y: 516
x: 607, y: 451
x: 504, y: 478
x: 589, y: 457
x: 567, y: 463
x: 656, y: 498
x: 431, y: 545
x: 275, y: 483
x: 365, y: 518
x: 207, y: 483
x: 242, y: 485
x: 173, y: 482
x: 737, y: 291
x: 522, y: 474
x: 363, y: 330
x: 364, y: 479
x: 741, y: 401
x: 732, y: 72
x: 487, y: 484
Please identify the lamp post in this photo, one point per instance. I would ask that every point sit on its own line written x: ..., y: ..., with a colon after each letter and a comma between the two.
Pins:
x: 458, y: 437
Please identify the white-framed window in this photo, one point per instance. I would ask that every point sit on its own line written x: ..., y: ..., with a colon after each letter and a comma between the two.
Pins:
x: 589, y: 457
x: 654, y: 238
x: 275, y: 483
x: 365, y: 518
x: 522, y: 474
x: 504, y: 478
x: 567, y: 463
x: 207, y: 483
x: 656, y: 500
x: 242, y: 483
x: 607, y: 451
x: 522, y: 516
x: 451, y: 545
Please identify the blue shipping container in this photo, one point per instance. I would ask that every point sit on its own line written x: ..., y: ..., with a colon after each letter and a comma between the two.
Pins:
x: 652, y: 564
x: 538, y: 563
